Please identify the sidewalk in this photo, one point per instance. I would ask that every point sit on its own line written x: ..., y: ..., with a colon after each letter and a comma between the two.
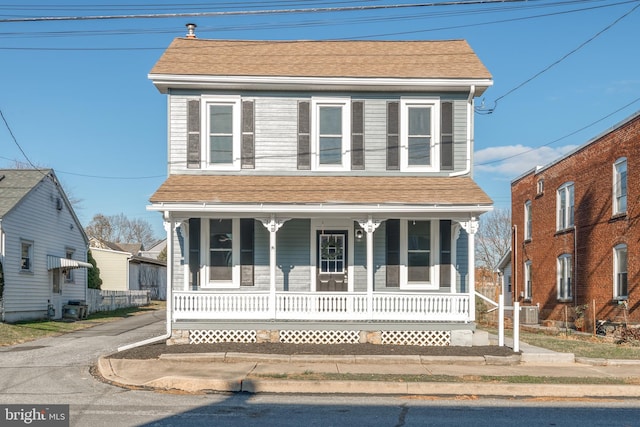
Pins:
x: 267, y: 373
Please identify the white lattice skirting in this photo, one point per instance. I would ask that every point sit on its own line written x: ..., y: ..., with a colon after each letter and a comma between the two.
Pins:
x: 216, y: 336
x: 319, y: 337
x: 421, y: 338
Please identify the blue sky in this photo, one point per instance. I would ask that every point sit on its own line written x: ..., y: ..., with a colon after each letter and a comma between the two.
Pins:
x: 76, y: 96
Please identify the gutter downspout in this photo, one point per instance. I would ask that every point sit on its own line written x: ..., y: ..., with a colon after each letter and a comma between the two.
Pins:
x: 470, y: 132
x: 168, y: 226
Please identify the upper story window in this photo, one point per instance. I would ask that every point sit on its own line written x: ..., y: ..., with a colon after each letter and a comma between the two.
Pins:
x: 420, y: 135
x: 565, y: 202
x: 221, y: 118
x: 331, y: 133
x: 620, y: 186
x: 564, y: 277
x: 540, y: 187
x: 27, y: 256
x: 527, y: 220
x: 528, y: 286
x: 620, y: 290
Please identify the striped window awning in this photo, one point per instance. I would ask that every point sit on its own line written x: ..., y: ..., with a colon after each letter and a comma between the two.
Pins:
x: 54, y: 262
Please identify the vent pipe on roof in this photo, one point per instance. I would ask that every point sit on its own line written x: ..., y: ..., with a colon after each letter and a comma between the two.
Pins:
x: 191, y: 31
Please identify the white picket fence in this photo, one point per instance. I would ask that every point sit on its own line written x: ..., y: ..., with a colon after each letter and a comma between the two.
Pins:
x: 103, y: 300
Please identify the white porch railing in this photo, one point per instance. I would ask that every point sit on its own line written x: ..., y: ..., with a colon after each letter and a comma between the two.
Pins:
x: 396, y: 306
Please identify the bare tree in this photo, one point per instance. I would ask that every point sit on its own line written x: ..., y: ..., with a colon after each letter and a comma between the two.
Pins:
x: 120, y: 229
x: 493, y: 239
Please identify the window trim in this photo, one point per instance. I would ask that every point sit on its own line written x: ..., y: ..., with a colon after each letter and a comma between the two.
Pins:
x: 528, y: 281
x: 68, y: 275
x: 616, y: 179
x: 565, y: 294
x: 434, y: 250
x: 30, y: 255
x: 616, y: 286
x: 527, y: 220
x: 434, y: 104
x: 345, y: 104
x: 565, y: 219
x: 206, y: 282
x: 236, y: 103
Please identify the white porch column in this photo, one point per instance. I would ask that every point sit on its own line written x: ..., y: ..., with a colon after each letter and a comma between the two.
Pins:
x: 471, y: 227
x: 169, y: 227
x: 369, y: 225
x: 272, y: 224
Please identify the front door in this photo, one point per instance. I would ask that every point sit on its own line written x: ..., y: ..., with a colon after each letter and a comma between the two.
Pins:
x: 332, y: 261
x: 56, y: 293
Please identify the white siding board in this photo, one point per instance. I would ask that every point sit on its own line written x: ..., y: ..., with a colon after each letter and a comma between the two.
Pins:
x: 113, y: 267
x: 276, y: 127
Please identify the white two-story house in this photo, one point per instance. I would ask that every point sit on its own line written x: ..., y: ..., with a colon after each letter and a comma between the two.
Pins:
x: 320, y: 191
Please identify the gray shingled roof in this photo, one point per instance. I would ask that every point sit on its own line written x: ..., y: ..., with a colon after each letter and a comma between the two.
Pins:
x: 15, y: 184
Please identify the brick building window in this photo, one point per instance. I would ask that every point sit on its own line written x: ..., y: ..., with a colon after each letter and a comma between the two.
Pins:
x: 540, y: 187
x: 527, y: 220
x: 565, y: 206
x: 564, y: 277
x: 620, y: 290
x: 620, y: 186
x: 527, y: 281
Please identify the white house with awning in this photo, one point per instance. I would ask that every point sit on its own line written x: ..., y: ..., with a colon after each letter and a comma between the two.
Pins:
x: 43, y: 247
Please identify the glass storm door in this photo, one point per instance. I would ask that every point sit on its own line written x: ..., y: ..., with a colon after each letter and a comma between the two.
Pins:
x: 332, y: 261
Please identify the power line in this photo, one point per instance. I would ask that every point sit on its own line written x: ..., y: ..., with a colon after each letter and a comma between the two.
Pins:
x: 562, y: 137
x: 15, y: 140
x: 253, y: 12
x: 553, y: 64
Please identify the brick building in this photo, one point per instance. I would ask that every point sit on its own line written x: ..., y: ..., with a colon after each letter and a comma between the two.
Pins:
x: 576, y: 236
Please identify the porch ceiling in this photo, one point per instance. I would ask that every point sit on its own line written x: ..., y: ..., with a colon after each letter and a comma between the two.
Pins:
x: 320, y: 190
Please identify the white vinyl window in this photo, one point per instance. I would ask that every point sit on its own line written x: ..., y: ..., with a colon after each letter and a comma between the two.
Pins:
x: 221, y: 118
x: 221, y: 250
x: 528, y: 287
x: 26, y: 251
x: 565, y: 203
x: 527, y: 220
x: 564, y: 277
x: 68, y: 272
x: 419, y: 255
x: 620, y: 289
x: 331, y: 128
x: 420, y: 135
x: 620, y: 186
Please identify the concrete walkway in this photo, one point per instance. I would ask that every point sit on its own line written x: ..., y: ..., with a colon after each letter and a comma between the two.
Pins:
x: 268, y: 373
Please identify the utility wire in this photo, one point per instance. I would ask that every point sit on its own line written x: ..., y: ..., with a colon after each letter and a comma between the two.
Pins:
x: 15, y: 140
x: 481, y: 110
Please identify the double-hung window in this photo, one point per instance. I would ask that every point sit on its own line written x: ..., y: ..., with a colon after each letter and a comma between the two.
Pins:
x: 565, y: 203
x: 620, y: 186
x: 564, y: 277
x: 418, y: 260
x: 528, y: 288
x: 68, y: 273
x: 420, y: 135
x: 26, y: 251
x: 221, y: 118
x: 620, y: 290
x: 331, y: 126
x: 527, y: 220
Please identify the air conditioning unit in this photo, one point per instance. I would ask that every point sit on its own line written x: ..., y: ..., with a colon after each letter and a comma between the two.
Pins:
x: 529, y: 314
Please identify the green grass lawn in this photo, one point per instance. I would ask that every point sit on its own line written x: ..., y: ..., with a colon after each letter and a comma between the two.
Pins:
x: 21, y: 332
x: 582, y: 345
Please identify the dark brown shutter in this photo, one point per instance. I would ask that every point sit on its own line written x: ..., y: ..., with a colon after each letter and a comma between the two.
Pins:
x: 393, y: 252
x: 193, y: 134
x: 304, y: 135
x: 247, y: 233
x: 194, y: 253
x: 445, y: 253
x: 248, y: 136
x: 393, y: 133
x: 446, y: 136
x: 357, y: 135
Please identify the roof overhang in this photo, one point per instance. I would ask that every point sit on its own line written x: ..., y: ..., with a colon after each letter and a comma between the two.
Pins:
x: 54, y: 262
x: 164, y: 82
